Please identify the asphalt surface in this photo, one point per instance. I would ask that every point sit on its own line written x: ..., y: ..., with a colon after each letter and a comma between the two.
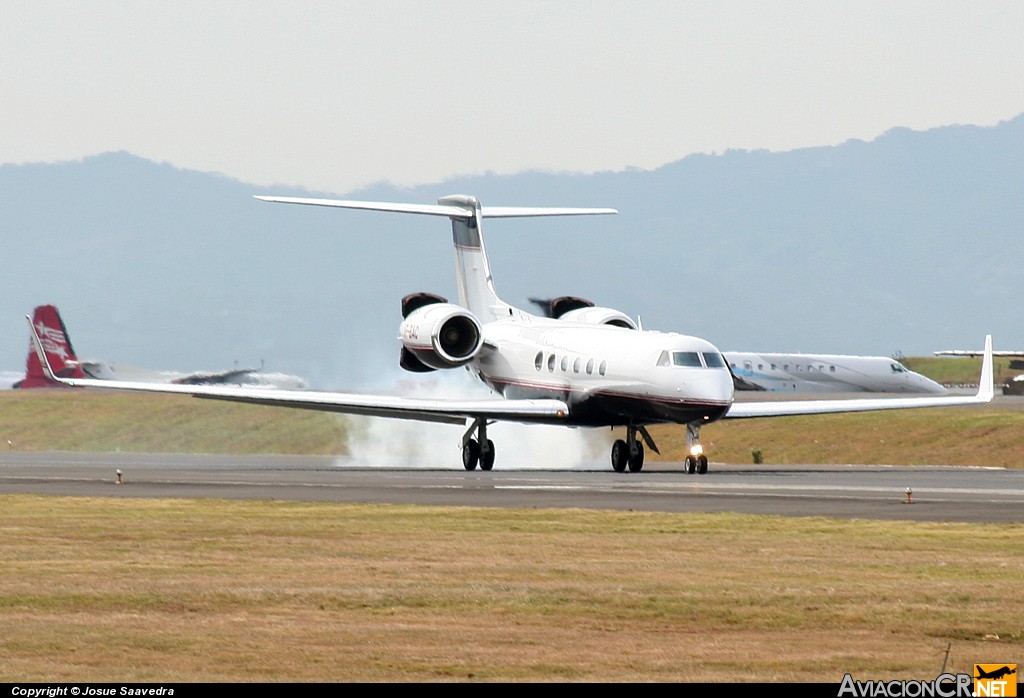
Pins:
x: 953, y: 494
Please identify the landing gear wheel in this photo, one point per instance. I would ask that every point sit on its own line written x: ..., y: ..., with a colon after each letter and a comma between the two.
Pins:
x: 690, y: 465
x: 620, y: 456
x: 471, y: 455
x: 702, y: 465
x: 487, y: 456
x: 636, y: 459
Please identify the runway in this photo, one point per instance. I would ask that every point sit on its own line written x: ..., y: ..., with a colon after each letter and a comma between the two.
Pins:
x: 952, y: 494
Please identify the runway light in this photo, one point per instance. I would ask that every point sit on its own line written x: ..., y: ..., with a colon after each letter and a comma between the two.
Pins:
x: 119, y: 481
x: 910, y: 496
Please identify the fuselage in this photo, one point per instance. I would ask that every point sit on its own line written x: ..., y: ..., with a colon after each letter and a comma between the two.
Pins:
x: 826, y: 373
x: 609, y: 376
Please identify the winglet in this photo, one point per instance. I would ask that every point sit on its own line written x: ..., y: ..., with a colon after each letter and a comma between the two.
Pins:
x: 987, y: 382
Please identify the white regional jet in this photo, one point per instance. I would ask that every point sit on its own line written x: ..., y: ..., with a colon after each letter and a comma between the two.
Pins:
x: 590, y: 367
x: 826, y: 373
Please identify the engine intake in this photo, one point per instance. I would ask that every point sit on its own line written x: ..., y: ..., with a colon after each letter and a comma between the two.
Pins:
x: 441, y: 335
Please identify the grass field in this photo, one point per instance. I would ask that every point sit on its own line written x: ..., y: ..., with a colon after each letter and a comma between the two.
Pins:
x: 170, y: 590
x: 205, y: 590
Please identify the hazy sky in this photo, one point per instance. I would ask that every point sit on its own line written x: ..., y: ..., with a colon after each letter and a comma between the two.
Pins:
x: 335, y: 95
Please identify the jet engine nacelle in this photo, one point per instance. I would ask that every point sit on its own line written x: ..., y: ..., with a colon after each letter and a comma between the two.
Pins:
x: 441, y: 335
x: 579, y: 309
x: 596, y: 315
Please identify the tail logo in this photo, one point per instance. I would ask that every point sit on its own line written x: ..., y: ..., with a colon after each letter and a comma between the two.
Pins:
x: 53, y: 341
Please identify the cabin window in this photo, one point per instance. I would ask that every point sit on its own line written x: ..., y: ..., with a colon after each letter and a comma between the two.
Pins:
x: 747, y: 365
x: 551, y: 363
x: 773, y: 367
x: 539, y: 361
x: 663, y: 359
x: 712, y: 359
x: 760, y: 367
x: 576, y: 365
x: 686, y: 358
x: 603, y: 367
x: 590, y: 366
x: 831, y: 369
x: 565, y: 363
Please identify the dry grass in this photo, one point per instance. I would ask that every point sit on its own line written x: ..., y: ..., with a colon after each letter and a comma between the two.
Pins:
x: 119, y: 590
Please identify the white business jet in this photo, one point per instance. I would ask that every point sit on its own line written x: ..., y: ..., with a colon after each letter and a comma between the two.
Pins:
x: 588, y: 367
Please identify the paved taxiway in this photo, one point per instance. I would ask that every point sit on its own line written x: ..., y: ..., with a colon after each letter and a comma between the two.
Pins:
x: 937, y: 493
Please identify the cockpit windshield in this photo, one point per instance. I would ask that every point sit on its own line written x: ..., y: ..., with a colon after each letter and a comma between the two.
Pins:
x: 692, y: 359
x: 712, y: 359
x: 898, y: 368
x: 686, y: 358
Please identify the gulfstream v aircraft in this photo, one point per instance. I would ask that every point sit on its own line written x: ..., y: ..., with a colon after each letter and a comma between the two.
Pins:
x: 587, y: 366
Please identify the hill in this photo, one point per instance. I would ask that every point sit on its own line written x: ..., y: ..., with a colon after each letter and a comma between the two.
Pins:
x: 902, y: 244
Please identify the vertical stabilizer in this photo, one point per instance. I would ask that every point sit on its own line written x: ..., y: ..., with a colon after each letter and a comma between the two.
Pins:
x: 59, y: 352
x: 472, y: 271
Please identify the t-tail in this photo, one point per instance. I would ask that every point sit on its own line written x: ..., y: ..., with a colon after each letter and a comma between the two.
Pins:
x: 476, y: 288
x: 53, y: 336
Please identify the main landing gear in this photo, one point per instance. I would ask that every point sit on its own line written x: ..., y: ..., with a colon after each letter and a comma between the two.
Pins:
x: 630, y: 452
x: 479, y: 450
x: 695, y: 461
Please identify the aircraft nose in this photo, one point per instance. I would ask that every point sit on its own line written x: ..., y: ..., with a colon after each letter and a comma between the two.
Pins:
x: 927, y: 385
x: 720, y: 387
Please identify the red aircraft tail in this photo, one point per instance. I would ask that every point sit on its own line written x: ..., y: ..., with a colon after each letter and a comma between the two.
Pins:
x: 59, y: 352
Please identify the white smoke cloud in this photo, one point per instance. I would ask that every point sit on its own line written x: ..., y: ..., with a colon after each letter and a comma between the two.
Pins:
x: 381, y: 442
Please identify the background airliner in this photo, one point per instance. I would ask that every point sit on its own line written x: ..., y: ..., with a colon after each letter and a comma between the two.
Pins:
x: 1015, y: 386
x: 585, y: 366
x: 826, y: 373
x: 55, y: 340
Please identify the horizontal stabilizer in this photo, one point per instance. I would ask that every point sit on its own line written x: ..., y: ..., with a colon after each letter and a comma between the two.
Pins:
x: 452, y: 207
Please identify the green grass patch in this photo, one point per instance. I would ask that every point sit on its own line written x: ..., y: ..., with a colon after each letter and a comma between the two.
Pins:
x: 109, y: 421
x: 958, y: 370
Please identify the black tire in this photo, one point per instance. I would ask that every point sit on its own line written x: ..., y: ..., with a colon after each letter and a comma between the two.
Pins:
x: 620, y: 456
x: 636, y: 460
x: 470, y: 454
x: 702, y: 465
x: 690, y: 465
x: 487, y: 457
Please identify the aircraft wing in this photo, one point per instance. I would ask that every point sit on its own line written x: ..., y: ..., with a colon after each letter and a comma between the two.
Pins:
x: 986, y: 391
x: 423, y: 409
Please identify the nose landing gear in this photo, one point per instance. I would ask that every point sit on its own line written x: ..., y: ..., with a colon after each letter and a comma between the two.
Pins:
x: 695, y: 461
